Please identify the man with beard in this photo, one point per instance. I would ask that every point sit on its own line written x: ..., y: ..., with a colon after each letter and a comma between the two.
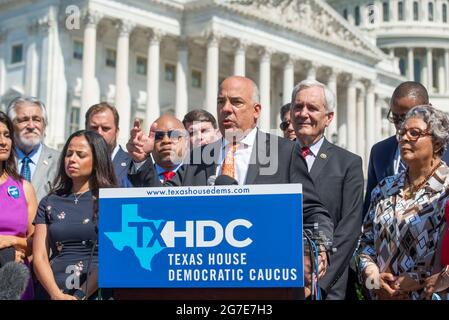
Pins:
x: 36, y: 162
x: 104, y: 119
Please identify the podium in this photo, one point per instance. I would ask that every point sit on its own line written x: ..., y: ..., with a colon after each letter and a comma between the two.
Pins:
x: 202, y: 243
x: 210, y: 294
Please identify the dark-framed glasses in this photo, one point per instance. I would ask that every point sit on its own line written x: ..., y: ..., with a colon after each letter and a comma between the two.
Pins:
x: 394, y: 118
x: 412, y: 134
x: 284, y: 125
x: 173, y: 135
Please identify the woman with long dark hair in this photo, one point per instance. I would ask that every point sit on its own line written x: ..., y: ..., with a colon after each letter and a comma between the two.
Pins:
x: 17, y: 202
x: 67, y: 220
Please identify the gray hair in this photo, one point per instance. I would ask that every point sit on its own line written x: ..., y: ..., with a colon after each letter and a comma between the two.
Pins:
x: 437, y: 122
x: 329, y: 97
x: 11, y: 109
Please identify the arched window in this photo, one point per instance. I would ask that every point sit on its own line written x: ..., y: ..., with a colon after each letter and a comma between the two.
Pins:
x: 444, y: 13
x: 345, y: 14
x: 430, y: 7
x: 401, y: 11
x: 386, y: 11
x: 416, y: 11
x: 357, y: 15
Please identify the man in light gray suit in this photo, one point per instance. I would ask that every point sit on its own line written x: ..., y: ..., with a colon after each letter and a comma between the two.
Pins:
x: 36, y: 162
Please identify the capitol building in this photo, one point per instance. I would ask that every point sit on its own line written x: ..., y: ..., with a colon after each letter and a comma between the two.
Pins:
x: 148, y: 57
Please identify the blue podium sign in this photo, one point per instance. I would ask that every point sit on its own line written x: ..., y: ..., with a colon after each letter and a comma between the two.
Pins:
x: 202, y: 237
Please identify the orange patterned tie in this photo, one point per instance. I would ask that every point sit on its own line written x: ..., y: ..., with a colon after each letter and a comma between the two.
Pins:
x: 228, y: 163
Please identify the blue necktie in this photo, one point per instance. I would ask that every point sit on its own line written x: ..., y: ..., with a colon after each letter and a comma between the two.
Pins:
x: 25, y: 172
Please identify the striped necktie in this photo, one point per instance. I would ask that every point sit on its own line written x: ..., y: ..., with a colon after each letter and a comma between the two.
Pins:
x: 25, y: 172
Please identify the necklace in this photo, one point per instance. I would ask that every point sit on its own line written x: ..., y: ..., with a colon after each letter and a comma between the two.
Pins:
x: 79, y: 196
x: 414, y: 188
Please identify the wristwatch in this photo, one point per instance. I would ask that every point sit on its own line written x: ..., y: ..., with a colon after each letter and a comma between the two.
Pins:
x: 79, y: 294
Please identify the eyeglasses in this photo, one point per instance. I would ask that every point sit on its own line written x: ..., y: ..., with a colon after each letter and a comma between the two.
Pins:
x: 394, y: 118
x: 413, y: 134
x: 173, y: 135
x: 284, y: 125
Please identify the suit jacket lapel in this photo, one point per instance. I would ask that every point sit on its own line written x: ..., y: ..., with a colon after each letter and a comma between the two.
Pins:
x: 390, y: 164
x: 261, y: 147
x: 40, y: 174
x: 321, y: 160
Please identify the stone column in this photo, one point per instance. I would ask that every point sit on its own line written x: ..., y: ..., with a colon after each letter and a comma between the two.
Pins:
x: 32, y: 63
x: 332, y: 85
x: 240, y: 58
x: 264, y: 87
x: 429, y: 62
x: 122, y: 92
x: 288, y: 80
x: 153, y: 111
x: 441, y: 75
x: 212, y: 73
x: 410, y: 64
x: 446, y: 68
x: 370, y: 116
x: 182, y: 66
x: 351, y: 119
x: 89, y: 95
x: 360, y: 124
x: 311, y: 72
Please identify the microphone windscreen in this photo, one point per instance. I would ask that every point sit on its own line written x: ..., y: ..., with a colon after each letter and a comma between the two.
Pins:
x: 211, y: 180
x: 225, y: 180
x: 14, y: 279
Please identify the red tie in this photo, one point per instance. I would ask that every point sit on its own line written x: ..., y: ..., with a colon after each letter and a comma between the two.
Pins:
x: 168, y: 175
x: 305, y: 151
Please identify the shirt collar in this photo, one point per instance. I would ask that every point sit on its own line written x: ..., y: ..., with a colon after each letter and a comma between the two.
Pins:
x: 314, y: 148
x: 248, y: 140
x: 34, y: 154
x: 114, y: 152
x: 161, y: 170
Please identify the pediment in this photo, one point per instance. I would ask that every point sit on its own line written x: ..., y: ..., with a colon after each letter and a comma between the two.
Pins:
x: 313, y: 18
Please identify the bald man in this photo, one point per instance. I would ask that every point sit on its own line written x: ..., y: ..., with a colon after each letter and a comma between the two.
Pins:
x: 170, y: 146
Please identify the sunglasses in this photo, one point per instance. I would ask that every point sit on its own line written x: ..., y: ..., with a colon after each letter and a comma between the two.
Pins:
x: 284, y: 125
x: 173, y: 135
x: 412, y: 134
x: 394, y: 118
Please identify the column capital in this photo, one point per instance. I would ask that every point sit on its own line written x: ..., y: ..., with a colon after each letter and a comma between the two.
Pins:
x: 288, y: 59
x: 92, y: 18
x: 43, y: 24
x: 183, y: 43
x: 240, y: 44
x: 370, y: 85
x: 332, y: 73
x: 265, y: 53
x: 125, y: 27
x: 154, y: 35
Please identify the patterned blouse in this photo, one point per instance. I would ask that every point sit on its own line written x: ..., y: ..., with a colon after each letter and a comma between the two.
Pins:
x: 402, y: 235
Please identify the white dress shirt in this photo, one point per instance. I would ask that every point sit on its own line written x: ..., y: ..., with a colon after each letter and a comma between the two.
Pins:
x: 314, y: 149
x: 241, y: 157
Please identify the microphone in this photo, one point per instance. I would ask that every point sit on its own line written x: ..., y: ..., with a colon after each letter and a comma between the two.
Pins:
x: 14, y: 279
x: 225, y: 180
x: 318, y: 236
x: 211, y: 180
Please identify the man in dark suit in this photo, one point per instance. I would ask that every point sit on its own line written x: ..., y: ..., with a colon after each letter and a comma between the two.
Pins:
x: 104, y: 119
x: 259, y: 158
x: 337, y: 174
x: 385, y: 158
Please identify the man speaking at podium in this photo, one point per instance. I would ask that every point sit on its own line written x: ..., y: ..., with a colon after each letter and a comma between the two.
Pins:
x: 245, y: 154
